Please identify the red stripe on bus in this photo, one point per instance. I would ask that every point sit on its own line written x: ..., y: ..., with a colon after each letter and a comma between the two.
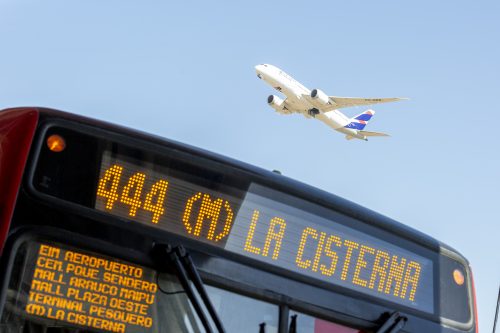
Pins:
x: 17, y: 128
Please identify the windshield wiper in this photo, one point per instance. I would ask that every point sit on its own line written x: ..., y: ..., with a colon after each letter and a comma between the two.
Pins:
x: 186, y: 270
x: 195, y: 277
x: 393, y: 324
x: 293, y: 325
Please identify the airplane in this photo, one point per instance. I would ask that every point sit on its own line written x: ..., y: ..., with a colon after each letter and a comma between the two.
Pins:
x: 316, y: 104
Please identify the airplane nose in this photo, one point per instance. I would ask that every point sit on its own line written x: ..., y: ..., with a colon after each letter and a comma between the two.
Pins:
x: 258, y: 69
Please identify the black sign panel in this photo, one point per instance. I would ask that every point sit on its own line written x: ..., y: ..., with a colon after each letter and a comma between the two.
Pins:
x: 88, y: 290
x: 259, y: 224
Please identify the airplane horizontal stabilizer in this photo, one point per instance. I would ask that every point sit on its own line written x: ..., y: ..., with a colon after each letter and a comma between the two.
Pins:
x: 367, y: 133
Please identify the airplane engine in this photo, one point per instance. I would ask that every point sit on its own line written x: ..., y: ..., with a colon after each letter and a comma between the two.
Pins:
x: 319, y: 98
x: 275, y: 102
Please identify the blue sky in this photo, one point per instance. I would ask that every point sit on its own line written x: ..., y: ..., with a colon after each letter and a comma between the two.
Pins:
x: 184, y: 71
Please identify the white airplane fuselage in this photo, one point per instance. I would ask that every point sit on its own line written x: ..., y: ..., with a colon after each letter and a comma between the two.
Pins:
x: 296, y: 100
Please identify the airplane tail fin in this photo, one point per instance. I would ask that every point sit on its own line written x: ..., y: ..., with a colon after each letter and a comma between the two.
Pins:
x: 359, y: 122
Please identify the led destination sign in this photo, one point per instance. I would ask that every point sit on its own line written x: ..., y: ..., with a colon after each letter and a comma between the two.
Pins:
x: 273, y: 231
x: 89, y: 290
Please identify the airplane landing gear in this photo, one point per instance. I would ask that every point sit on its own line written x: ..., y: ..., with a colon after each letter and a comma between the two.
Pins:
x: 313, y: 112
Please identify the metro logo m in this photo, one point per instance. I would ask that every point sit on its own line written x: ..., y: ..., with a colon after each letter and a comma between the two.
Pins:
x: 209, y: 210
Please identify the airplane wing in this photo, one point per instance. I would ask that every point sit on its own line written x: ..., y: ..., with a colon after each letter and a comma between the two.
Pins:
x: 345, y: 102
x: 367, y: 133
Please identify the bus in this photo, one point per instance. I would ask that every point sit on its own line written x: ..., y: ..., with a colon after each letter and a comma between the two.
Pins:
x: 107, y: 229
